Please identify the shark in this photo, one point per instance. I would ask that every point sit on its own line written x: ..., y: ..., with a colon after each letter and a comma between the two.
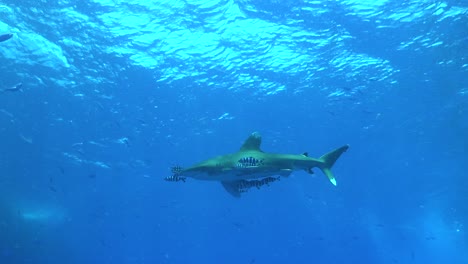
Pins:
x: 17, y: 87
x: 250, y: 167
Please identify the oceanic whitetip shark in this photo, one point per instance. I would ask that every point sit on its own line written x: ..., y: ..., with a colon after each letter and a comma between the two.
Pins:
x: 251, y: 167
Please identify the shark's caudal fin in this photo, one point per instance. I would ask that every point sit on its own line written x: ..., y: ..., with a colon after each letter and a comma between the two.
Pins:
x: 329, y: 159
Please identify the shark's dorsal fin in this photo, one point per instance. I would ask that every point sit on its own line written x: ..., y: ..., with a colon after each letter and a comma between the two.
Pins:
x: 305, y: 154
x: 252, y: 142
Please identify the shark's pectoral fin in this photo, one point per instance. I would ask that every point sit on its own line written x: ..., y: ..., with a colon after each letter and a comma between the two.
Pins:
x: 232, y: 187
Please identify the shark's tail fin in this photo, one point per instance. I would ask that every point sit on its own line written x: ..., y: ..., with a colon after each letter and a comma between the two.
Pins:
x: 329, y: 159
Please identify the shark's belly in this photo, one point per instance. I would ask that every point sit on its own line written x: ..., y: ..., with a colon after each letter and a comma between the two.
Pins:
x: 235, y: 174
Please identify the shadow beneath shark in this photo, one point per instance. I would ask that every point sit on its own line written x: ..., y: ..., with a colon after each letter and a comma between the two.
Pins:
x: 251, y: 167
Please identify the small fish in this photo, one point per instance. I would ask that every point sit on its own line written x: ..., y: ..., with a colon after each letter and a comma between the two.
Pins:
x: 141, y: 121
x: 10, y: 115
x: 5, y: 37
x: 15, y: 88
x: 174, y: 178
x: 346, y: 89
x: 125, y: 141
x: 26, y: 139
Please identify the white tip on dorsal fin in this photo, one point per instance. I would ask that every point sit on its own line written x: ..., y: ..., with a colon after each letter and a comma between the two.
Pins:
x: 253, y: 142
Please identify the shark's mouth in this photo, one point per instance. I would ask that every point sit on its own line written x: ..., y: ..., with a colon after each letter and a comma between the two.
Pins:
x: 248, y: 162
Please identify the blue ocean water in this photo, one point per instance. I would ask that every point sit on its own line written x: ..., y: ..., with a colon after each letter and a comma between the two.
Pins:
x: 114, y: 93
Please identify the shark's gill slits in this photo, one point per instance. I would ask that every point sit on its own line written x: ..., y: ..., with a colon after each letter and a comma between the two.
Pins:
x: 247, y: 162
